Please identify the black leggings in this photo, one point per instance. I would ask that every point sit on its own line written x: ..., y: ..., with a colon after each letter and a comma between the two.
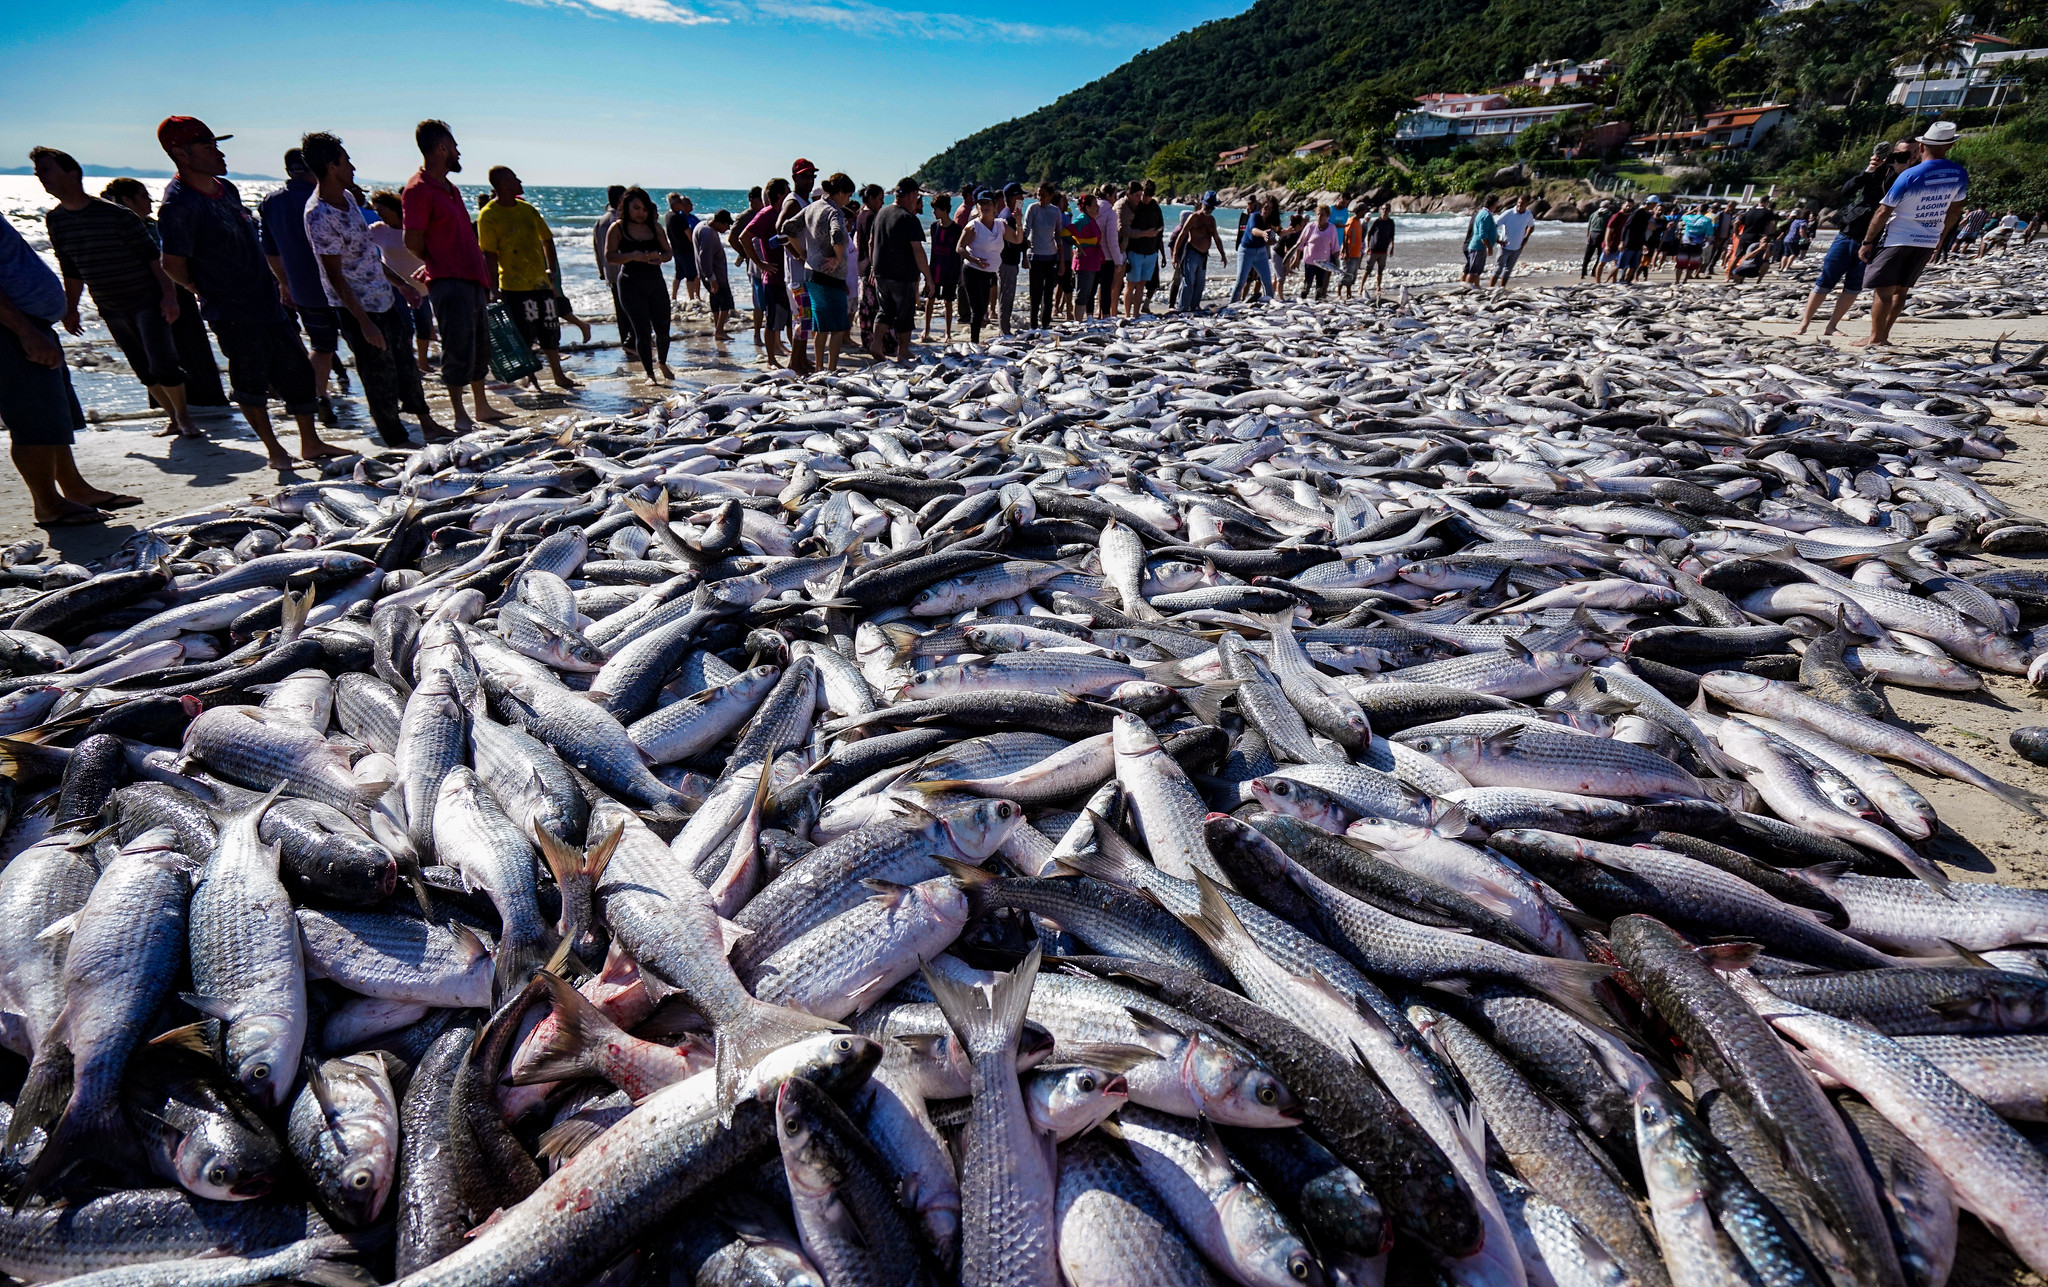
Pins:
x: 975, y: 286
x: 1045, y: 281
x: 1316, y: 277
x: 643, y: 314
x: 1590, y: 258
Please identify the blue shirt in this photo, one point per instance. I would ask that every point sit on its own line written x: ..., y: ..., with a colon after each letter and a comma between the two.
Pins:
x: 1485, y: 232
x: 25, y: 279
x: 1920, y: 199
x: 284, y: 235
x: 217, y: 237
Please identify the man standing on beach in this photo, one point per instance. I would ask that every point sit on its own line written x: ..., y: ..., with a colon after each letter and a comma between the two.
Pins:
x: 763, y: 246
x: 282, y: 217
x: 1596, y: 233
x: 1042, y: 224
x: 1483, y: 236
x: 1917, y: 215
x: 38, y: 407
x: 107, y: 249
x: 1635, y: 240
x: 1515, y: 227
x: 1842, y: 265
x: 1145, y: 231
x: 898, y: 265
x: 1197, y: 236
x: 681, y: 228
x: 827, y: 233
x: 519, y: 255
x: 1354, y: 252
x: 359, y: 288
x: 211, y: 247
x: 1379, y: 243
x: 438, y: 230
x: 712, y: 269
x: 802, y: 177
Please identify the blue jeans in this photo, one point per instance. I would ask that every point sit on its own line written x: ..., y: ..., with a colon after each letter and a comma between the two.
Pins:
x: 1254, y: 259
x: 1194, y: 276
x: 1840, y: 265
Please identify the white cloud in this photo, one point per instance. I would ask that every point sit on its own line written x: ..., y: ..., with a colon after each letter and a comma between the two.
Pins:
x: 643, y: 10
x: 857, y: 17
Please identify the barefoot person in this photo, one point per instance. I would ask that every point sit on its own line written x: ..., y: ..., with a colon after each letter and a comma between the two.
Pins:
x: 638, y: 247
x: 438, y: 230
x: 1841, y: 265
x: 519, y: 255
x: 1916, y: 216
x: 713, y: 271
x: 211, y: 247
x: 106, y: 248
x: 362, y: 292
x: 38, y: 408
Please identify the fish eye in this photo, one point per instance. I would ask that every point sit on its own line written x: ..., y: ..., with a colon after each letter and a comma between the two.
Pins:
x: 1297, y: 1268
x: 843, y: 1045
x: 259, y: 1072
x: 1003, y: 810
x: 1087, y: 1085
x: 217, y: 1176
x: 360, y: 1180
x: 1268, y: 1096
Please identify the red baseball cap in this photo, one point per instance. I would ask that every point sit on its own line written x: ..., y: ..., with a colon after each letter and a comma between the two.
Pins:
x: 183, y: 131
x: 801, y: 166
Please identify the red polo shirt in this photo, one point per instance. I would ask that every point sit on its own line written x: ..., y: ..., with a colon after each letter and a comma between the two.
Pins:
x: 437, y: 209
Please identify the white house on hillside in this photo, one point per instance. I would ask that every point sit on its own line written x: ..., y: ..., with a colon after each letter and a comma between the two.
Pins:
x: 1980, y: 75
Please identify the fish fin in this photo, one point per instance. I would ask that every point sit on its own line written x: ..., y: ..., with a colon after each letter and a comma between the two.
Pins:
x: 903, y: 639
x: 511, y: 964
x: 1514, y: 644
x: 472, y: 946
x: 1117, y: 863
x: 1215, y: 924
x: 965, y: 874
x: 565, y: 1139
x: 211, y: 1007
x: 1728, y: 957
x: 295, y: 608
x: 1968, y: 957
x: 46, y: 1092
x: 1110, y: 1056
x: 987, y: 1017
x: 1154, y: 1028
x: 368, y: 793
x: 195, y: 1037
x: 580, y: 1028
x: 316, y: 1082
x: 759, y: 1030
x: 1822, y: 875
x: 1570, y: 985
x: 731, y: 932
x: 62, y: 927
x: 1206, y: 700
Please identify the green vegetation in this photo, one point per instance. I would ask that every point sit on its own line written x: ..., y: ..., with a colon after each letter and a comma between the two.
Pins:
x: 1286, y: 71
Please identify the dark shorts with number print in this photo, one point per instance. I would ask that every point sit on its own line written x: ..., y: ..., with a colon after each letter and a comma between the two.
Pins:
x: 534, y: 313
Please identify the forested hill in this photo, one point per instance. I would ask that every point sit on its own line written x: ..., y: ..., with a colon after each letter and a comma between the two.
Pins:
x: 1286, y: 71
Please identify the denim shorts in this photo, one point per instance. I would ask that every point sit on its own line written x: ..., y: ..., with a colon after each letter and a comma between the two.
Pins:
x: 1841, y: 265
x: 1142, y: 267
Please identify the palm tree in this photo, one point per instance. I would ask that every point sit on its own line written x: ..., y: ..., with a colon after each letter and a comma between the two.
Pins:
x: 1935, y: 39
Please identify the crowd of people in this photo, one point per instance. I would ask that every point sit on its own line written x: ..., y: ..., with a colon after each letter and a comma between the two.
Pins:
x: 827, y: 264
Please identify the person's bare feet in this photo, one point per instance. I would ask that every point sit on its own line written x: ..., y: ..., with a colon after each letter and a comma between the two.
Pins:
x: 490, y: 415
x: 281, y: 460
x: 100, y: 498
x: 1867, y: 342
x: 314, y: 449
x: 72, y: 514
x: 666, y: 373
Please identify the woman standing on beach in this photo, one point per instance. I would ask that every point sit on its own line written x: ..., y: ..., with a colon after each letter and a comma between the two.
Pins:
x: 1088, y: 257
x: 637, y: 245
x: 945, y: 265
x: 981, y: 254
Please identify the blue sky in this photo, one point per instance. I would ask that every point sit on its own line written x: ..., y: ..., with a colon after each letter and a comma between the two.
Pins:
x: 708, y: 93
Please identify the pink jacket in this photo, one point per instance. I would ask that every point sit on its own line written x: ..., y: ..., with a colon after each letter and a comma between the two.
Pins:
x: 1319, y: 245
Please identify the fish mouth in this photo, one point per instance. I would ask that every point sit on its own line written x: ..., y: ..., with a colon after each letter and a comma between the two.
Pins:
x: 254, y: 1187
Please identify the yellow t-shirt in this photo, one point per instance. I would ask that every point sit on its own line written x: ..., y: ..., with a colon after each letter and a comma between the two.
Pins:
x: 518, y: 236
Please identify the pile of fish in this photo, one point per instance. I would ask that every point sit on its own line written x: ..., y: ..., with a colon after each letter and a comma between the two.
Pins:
x: 1397, y: 792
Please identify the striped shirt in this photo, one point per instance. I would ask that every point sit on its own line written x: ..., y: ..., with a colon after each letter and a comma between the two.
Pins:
x: 107, y: 247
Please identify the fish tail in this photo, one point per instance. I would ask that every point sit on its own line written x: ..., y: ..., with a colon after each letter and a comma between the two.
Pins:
x: 513, y: 963
x: 760, y: 1029
x: 77, y: 1130
x: 1119, y: 864
x: 581, y: 1029
x: 989, y: 1018
x: 1206, y: 700
x: 1570, y: 985
x: 326, y: 1262
x: 46, y: 1093
x: 1216, y: 924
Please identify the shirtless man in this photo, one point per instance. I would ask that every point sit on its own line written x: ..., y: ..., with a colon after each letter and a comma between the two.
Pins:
x: 1191, y: 245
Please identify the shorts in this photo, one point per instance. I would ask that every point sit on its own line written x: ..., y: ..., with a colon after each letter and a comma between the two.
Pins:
x: 829, y: 311
x: 1687, y: 259
x: 323, y: 333
x: 944, y: 290
x: 775, y: 312
x: 1508, y: 259
x: 720, y: 299
x: 1629, y: 260
x: 1351, y: 270
x: 899, y: 303
x: 1897, y: 266
x: 266, y: 357
x: 535, y: 314
x: 1475, y: 262
x: 1142, y: 267
x: 146, y: 341
x: 1376, y: 258
x: 38, y: 406
x: 1840, y: 266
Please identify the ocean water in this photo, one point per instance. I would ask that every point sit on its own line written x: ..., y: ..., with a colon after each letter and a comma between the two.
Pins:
x: 1425, y: 246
